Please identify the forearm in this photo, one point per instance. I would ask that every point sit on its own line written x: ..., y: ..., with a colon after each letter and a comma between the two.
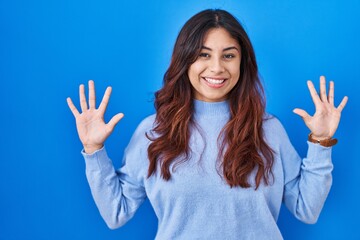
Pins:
x: 107, y: 189
x: 306, y: 194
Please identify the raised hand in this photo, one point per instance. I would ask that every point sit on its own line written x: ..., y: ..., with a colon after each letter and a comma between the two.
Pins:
x: 324, y: 122
x: 90, y: 124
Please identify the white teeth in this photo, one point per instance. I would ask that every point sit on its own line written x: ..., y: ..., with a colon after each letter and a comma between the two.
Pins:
x: 214, y: 81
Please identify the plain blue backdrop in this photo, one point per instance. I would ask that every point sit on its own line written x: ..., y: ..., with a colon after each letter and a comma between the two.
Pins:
x: 48, y: 48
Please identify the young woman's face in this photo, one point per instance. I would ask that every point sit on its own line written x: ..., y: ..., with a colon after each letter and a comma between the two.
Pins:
x: 217, y: 68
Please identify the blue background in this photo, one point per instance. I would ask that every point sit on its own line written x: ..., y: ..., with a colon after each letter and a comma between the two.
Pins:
x: 48, y: 48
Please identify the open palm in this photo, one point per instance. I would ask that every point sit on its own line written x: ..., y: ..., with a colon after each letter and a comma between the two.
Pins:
x: 90, y: 124
x: 324, y: 122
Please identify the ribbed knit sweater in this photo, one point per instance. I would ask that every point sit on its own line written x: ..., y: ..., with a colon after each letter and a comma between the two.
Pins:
x: 197, y: 203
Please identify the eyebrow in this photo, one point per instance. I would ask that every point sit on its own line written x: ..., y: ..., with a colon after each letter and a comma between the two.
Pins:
x: 225, y: 49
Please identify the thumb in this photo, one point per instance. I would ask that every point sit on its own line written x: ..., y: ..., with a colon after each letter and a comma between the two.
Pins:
x: 302, y: 113
x: 114, y: 120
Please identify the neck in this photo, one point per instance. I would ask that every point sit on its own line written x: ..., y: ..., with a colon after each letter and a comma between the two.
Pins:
x: 211, y: 108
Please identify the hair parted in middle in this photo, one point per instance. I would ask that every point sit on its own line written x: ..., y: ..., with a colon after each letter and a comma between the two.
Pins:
x: 242, y: 145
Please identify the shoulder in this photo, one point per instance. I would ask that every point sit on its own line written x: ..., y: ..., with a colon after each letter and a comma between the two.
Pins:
x: 136, y: 151
x: 274, y: 131
x: 272, y: 123
x: 145, y: 126
x: 139, y: 139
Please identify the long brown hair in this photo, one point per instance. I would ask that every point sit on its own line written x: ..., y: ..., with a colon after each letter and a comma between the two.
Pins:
x: 242, y: 145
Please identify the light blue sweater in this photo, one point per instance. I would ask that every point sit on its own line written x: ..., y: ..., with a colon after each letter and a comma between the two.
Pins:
x: 197, y: 203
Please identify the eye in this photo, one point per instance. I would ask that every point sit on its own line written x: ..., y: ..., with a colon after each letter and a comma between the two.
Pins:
x: 204, y: 55
x: 229, y: 56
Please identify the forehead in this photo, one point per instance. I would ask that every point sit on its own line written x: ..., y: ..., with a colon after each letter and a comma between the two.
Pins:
x: 219, y: 38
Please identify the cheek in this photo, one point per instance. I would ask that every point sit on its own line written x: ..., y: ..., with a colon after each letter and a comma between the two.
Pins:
x: 192, y: 75
x: 195, y: 70
x: 235, y: 70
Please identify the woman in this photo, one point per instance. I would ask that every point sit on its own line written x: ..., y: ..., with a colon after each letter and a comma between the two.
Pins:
x: 213, y: 164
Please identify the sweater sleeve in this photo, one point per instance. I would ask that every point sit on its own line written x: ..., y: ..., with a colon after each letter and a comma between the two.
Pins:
x: 307, y: 181
x: 119, y: 193
x: 116, y: 193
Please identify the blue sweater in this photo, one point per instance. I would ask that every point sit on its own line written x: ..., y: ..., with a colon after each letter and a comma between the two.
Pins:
x: 197, y: 203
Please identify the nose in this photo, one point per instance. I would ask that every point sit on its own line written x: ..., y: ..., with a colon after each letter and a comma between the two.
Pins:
x: 216, y: 65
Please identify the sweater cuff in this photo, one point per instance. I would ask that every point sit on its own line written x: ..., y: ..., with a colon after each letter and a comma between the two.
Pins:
x: 317, y: 153
x: 97, y: 160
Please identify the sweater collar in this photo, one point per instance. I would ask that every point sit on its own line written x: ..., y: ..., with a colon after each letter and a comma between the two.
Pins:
x: 202, y: 108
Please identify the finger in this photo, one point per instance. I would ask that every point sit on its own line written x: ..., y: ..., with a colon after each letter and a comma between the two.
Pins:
x: 83, y: 103
x: 72, y: 107
x: 92, y: 100
x: 343, y: 103
x: 331, y: 93
x: 105, y: 100
x: 313, y: 93
x: 302, y: 113
x: 323, y: 89
x: 114, y: 120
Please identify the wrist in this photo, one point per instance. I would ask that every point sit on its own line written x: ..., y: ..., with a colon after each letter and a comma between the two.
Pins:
x: 318, y: 138
x: 326, y: 142
x: 90, y: 148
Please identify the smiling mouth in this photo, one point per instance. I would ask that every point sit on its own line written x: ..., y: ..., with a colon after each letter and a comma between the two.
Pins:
x: 214, y: 81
